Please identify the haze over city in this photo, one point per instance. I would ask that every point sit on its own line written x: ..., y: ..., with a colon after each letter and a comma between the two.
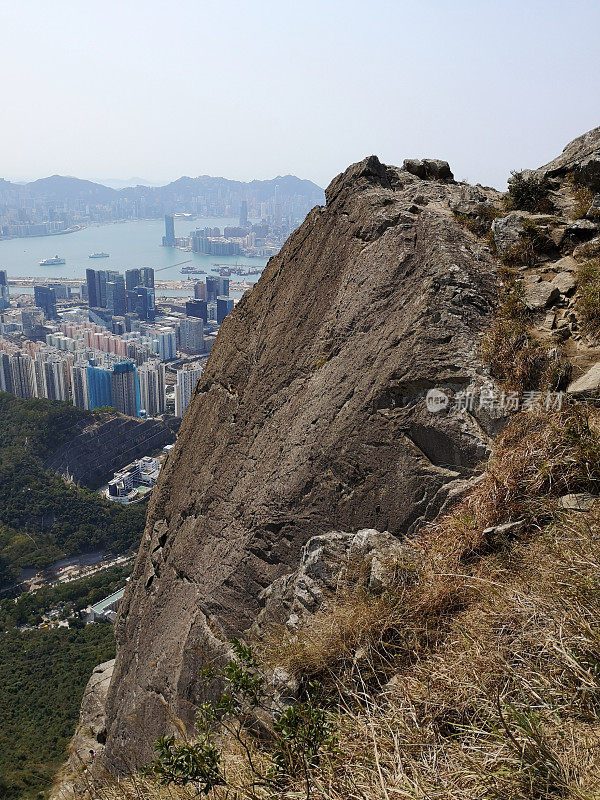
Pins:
x: 112, y: 90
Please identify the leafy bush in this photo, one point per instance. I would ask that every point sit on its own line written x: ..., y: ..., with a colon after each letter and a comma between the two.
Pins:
x: 529, y: 193
x: 301, y: 734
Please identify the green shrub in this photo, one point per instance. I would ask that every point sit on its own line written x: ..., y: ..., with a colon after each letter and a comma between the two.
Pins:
x: 301, y: 733
x: 529, y: 193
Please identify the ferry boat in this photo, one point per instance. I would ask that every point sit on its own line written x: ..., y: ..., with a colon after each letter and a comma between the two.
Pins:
x: 52, y: 262
x: 99, y: 255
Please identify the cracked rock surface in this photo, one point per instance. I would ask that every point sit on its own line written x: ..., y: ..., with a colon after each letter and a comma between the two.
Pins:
x: 309, y: 418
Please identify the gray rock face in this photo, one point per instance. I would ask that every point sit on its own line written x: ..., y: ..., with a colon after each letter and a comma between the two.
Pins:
x: 89, y: 736
x: 593, y: 213
x: 581, y: 157
x: 327, y: 563
x: 429, y: 169
x: 310, y: 418
x: 565, y: 283
x: 589, y: 382
x: 541, y: 295
x: 508, y: 231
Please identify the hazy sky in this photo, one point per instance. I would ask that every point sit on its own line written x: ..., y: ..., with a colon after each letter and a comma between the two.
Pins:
x: 158, y: 89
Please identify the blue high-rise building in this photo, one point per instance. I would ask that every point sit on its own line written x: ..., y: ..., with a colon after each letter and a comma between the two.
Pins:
x: 99, y: 382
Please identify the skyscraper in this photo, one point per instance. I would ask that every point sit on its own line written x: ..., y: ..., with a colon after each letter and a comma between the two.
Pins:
x: 215, y: 287
x: 115, y: 296
x: 191, y: 333
x: 243, y: 214
x: 187, y: 378
x: 132, y: 279
x: 152, y: 388
x: 4, y: 297
x: 224, y: 306
x: 169, y: 237
x: 140, y: 301
x: 96, y: 285
x: 200, y: 290
x: 147, y: 277
x: 197, y: 308
x: 126, y: 389
x: 45, y: 298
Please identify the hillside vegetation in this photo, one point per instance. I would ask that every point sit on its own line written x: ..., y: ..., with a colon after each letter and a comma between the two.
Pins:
x: 42, y: 678
x: 42, y: 518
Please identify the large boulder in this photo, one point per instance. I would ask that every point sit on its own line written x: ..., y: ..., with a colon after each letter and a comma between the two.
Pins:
x: 310, y: 417
x: 429, y: 169
x: 581, y: 159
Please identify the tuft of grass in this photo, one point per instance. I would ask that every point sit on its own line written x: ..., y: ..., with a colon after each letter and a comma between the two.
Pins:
x: 514, y: 357
x: 480, y: 221
x: 583, y: 198
x: 588, y: 303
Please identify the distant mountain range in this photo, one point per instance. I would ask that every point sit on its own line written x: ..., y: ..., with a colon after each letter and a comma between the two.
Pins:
x: 61, y: 189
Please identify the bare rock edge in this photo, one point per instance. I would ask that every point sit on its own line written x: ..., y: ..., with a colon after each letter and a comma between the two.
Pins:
x: 310, y: 417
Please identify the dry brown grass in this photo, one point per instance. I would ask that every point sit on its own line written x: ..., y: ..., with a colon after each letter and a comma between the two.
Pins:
x: 481, y: 679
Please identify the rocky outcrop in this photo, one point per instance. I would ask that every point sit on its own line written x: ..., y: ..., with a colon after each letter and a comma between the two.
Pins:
x: 581, y: 159
x: 311, y: 417
x: 88, y: 743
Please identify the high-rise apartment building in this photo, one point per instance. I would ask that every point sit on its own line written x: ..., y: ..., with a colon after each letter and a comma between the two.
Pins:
x: 187, y: 378
x: 243, y: 214
x: 164, y: 342
x: 99, y: 382
x: 79, y: 386
x: 4, y: 296
x: 22, y: 373
x: 151, y: 377
x: 224, y: 306
x: 125, y: 389
x: 6, y: 382
x: 191, y: 335
x: 45, y: 298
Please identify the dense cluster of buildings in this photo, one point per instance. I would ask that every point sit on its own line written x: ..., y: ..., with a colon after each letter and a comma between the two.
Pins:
x: 261, y: 239
x: 117, y: 351
x: 57, y: 204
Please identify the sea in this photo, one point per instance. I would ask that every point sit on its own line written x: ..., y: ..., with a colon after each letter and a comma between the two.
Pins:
x: 130, y: 244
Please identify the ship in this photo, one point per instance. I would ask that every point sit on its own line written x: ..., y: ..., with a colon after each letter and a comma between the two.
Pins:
x: 99, y: 255
x: 52, y: 262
